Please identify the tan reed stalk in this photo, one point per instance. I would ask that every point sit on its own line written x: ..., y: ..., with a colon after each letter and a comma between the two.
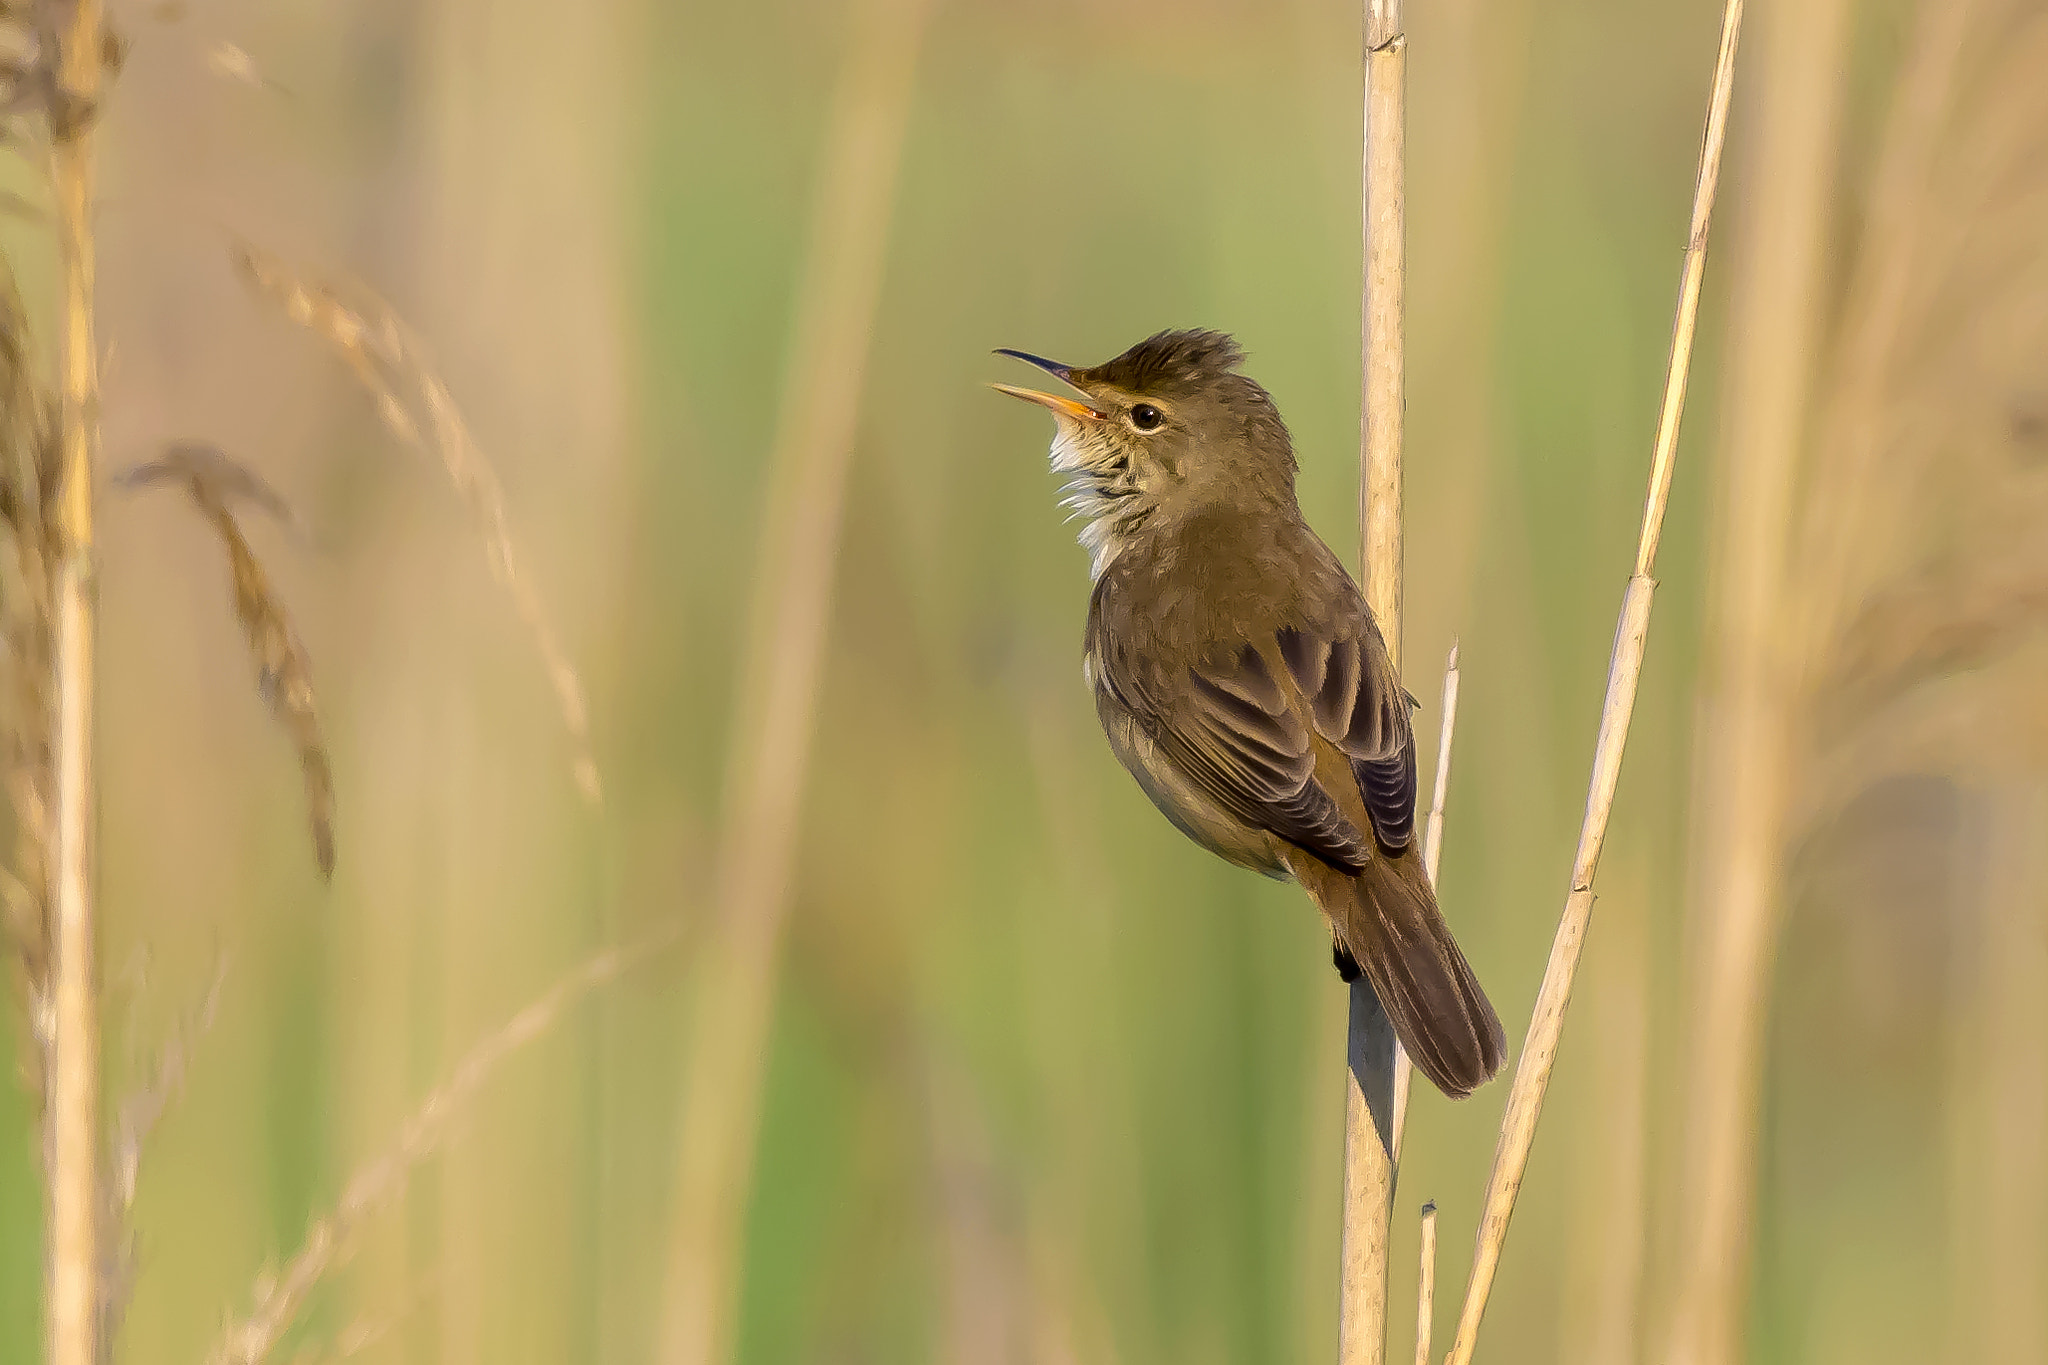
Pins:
x: 1371, y: 1054
x: 1432, y: 857
x: 1624, y: 674
x: 72, y: 1135
x: 727, y: 1043
x: 279, y: 1296
x: 1425, y: 1282
x: 1741, y: 750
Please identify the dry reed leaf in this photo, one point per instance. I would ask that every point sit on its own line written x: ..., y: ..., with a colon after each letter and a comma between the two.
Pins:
x: 280, y: 1295
x: 213, y: 480
x: 415, y: 405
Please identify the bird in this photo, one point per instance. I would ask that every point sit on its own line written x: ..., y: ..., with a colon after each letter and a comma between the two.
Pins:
x: 1243, y: 681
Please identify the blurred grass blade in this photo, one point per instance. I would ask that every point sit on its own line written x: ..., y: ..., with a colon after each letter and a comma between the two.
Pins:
x: 727, y: 1042
x: 1546, y: 1028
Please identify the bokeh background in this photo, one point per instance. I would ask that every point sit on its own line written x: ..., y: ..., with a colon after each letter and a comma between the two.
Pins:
x: 960, y: 1053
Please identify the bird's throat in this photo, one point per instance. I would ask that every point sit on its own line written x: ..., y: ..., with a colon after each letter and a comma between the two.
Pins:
x: 1102, y: 494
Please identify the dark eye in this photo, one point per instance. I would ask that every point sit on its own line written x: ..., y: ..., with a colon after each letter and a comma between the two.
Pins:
x: 1145, y: 417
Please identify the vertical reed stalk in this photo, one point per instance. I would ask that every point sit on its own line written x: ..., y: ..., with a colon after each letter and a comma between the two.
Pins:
x: 734, y: 1002
x: 1624, y: 674
x: 1372, y: 1056
x: 1741, y: 746
x: 71, y: 1141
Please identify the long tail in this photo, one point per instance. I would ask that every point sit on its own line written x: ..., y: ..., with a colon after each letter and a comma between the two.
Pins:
x: 1386, y: 919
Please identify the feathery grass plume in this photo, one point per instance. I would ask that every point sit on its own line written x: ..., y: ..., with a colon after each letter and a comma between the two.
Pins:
x: 1911, y: 630
x: 1624, y: 675
x: 213, y: 481
x: 414, y: 404
x: 278, y: 1296
x: 1374, y: 1064
x: 768, y: 763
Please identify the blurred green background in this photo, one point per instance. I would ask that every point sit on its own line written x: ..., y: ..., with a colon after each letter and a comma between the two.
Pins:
x: 1041, y: 1082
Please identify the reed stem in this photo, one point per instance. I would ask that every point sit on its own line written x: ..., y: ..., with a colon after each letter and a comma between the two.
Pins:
x: 1372, y: 1055
x: 72, y: 1138
x: 1624, y: 674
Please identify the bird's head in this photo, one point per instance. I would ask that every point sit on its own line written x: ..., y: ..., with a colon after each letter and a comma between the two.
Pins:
x: 1167, y: 427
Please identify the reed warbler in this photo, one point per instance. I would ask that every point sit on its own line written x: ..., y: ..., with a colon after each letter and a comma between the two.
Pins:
x: 1242, y: 679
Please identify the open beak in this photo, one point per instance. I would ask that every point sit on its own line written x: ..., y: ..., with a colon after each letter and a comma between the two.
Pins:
x: 1065, y: 407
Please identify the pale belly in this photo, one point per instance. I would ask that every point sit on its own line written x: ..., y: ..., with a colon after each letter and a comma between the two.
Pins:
x: 1192, y: 813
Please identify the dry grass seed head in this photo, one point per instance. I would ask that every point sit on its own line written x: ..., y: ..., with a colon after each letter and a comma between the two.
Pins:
x: 416, y: 406
x: 214, y: 481
x: 1949, y: 584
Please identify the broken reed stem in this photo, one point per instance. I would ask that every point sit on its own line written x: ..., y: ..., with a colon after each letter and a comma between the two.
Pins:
x: 1372, y: 1055
x: 1539, y: 1050
x: 728, y: 1025
x: 1432, y: 856
x: 279, y: 1295
x: 72, y: 1135
x: 1425, y: 1286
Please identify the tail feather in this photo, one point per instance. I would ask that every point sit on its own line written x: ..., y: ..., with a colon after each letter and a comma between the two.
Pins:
x: 1385, y: 919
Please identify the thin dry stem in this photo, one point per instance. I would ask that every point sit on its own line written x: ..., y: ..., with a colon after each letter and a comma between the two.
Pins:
x: 390, y: 362
x: 284, y: 675
x: 1432, y: 856
x: 1425, y: 1286
x: 1539, y: 1050
x: 1740, y: 769
x: 71, y: 1136
x: 279, y: 1296
x: 728, y: 1027
x: 1373, y: 1061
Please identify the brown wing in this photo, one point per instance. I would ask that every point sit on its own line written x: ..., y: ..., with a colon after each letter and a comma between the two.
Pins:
x: 1357, y: 703
x: 1236, y: 735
